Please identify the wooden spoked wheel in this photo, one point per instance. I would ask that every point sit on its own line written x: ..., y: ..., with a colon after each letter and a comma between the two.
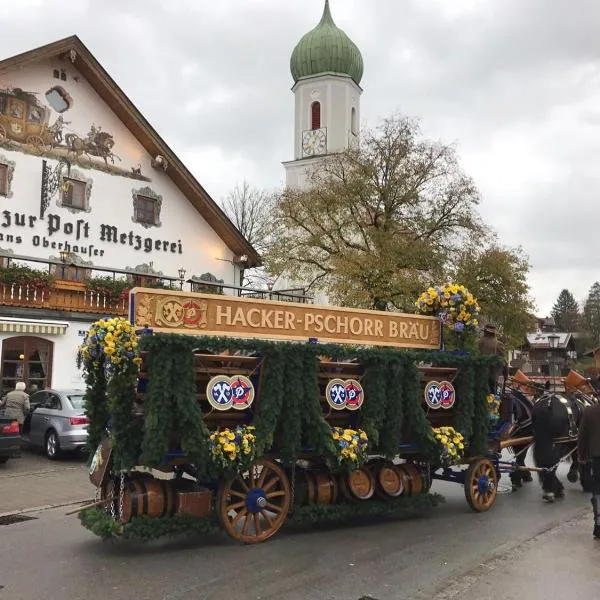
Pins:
x: 37, y: 143
x: 253, y: 506
x: 481, y: 485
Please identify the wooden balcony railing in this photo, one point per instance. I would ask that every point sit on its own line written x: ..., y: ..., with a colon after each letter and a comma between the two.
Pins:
x: 66, y: 296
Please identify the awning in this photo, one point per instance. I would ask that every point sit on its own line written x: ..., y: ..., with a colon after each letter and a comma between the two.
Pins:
x: 33, y: 327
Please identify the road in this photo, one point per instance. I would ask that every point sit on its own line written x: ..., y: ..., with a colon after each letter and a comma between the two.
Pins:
x: 54, y: 557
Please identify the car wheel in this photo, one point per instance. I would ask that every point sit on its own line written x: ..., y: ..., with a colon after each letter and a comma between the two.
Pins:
x: 52, y: 445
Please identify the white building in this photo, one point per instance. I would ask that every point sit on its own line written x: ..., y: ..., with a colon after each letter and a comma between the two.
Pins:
x: 88, y: 189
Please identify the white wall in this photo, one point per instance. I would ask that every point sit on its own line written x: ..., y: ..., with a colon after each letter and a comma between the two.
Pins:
x: 111, y: 199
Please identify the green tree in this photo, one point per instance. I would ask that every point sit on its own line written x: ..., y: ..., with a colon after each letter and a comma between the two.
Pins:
x: 566, y: 312
x: 378, y: 222
x: 591, y: 313
x: 497, y: 277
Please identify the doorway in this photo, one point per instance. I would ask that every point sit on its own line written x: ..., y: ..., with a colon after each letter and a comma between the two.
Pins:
x: 26, y: 358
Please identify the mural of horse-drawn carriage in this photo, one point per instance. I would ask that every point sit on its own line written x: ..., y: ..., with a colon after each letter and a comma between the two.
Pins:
x: 25, y: 124
x: 23, y: 119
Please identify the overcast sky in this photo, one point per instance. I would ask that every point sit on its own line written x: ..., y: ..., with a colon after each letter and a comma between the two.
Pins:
x: 515, y: 84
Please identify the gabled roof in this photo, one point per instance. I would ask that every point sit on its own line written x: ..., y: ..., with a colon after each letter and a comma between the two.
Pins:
x: 121, y: 105
x: 540, y: 340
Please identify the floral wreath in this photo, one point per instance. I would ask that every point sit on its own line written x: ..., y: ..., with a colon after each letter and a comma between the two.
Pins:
x: 453, y: 303
x: 351, y: 446
x: 111, y: 343
x: 451, y: 444
x: 233, y: 450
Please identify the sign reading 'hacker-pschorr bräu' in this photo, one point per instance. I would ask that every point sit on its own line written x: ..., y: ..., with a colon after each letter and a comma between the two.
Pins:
x: 179, y: 312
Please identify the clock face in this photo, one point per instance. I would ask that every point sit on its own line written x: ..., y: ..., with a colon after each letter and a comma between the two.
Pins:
x: 314, y: 142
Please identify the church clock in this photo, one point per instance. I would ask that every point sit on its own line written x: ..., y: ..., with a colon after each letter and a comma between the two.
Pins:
x: 314, y: 142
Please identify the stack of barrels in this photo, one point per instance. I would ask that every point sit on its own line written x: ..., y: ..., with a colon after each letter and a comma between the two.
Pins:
x: 382, y: 479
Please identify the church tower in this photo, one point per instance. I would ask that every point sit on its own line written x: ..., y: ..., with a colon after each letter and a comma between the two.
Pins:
x: 327, y: 67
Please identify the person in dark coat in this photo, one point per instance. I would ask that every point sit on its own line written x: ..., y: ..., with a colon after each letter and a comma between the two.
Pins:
x: 490, y: 345
x: 588, y: 447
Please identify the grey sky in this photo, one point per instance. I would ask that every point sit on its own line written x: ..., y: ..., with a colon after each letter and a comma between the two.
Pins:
x: 514, y: 84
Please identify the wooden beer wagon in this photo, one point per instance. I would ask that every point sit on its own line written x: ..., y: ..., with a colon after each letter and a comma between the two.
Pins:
x: 231, y: 417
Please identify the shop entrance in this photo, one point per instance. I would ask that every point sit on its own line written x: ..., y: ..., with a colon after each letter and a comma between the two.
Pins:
x: 26, y: 358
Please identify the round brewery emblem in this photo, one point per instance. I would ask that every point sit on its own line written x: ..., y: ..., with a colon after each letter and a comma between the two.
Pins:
x: 192, y: 313
x: 335, y: 392
x: 433, y: 395
x: 447, y: 394
x: 354, y: 394
x: 242, y: 392
x: 218, y: 392
x: 342, y: 394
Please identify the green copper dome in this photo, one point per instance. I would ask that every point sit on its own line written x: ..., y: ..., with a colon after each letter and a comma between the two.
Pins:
x: 326, y: 49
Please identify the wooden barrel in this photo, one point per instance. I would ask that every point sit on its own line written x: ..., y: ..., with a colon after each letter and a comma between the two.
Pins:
x: 357, y: 485
x: 148, y: 497
x: 315, y: 487
x: 413, y: 478
x: 389, y: 480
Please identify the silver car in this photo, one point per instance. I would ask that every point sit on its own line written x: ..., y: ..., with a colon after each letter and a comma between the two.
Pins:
x: 57, y: 422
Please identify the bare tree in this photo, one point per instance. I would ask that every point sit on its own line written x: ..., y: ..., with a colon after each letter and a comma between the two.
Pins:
x: 251, y: 211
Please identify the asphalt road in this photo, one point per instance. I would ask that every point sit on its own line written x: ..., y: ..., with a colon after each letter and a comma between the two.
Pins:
x: 53, y: 557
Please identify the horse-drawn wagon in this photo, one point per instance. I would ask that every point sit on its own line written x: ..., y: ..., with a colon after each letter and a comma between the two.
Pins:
x: 246, y: 412
x: 23, y: 119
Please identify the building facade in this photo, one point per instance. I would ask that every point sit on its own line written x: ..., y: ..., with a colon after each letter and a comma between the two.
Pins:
x: 92, y: 203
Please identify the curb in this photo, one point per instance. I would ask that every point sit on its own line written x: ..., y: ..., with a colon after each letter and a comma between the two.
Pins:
x: 45, y: 507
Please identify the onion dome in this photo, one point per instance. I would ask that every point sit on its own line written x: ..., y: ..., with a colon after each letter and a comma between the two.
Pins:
x: 326, y: 49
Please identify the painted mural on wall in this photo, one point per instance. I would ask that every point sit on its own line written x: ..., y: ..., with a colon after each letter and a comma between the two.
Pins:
x: 41, y: 127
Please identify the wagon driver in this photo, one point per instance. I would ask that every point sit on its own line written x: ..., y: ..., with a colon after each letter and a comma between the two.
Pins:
x: 490, y: 345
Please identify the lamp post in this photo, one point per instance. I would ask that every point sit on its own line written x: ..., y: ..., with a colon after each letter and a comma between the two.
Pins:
x: 181, y: 277
x: 553, y: 340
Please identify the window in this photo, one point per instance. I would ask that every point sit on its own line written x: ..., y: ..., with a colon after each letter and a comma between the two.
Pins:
x: 145, y: 210
x: 315, y: 115
x: 28, y: 359
x: 53, y: 402
x: 73, y: 194
x: 56, y: 74
x: 3, y: 180
x: 59, y: 99
x: 353, y: 121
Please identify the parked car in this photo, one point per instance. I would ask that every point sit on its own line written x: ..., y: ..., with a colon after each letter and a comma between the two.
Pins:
x: 57, y: 422
x: 10, y: 440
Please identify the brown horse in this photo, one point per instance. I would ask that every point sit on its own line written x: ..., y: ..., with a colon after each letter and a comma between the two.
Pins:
x: 98, y: 143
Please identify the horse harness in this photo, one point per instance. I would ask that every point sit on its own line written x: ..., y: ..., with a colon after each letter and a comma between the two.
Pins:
x: 546, y: 402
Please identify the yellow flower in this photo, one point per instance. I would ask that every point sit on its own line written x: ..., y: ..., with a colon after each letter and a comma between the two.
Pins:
x: 444, y: 439
x: 352, y: 455
x: 109, y: 350
x: 363, y: 436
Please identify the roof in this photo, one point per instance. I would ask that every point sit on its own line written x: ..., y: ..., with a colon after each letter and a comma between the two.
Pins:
x: 326, y: 49
x: 121, y: 105
x: 540, y: 340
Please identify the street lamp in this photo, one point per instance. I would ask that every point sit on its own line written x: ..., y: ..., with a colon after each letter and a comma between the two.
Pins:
x: 553, y: 340
x: 181, y: 277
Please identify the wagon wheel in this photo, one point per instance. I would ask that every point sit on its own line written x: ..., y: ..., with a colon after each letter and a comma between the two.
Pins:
x: 37, y: 143
x: 481, y: 485
x: 253, y: 506
x: 3, y: 137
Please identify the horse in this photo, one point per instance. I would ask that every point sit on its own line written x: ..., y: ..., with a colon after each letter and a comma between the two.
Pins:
x: 556, y: 416
x: 98, y: 143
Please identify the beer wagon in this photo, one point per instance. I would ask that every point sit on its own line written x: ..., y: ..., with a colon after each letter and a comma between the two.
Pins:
x: 244, y: 412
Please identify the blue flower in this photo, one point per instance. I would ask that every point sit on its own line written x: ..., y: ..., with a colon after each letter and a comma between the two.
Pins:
x: 459, y: 326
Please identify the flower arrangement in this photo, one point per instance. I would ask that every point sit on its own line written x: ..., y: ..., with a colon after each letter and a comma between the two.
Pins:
x: 112, y: 343
x: 233, y: 450
x: 26, y: 276
x: 453, y: 303
x: 452, y: 445
x: 493, y: 406
x: 351, y: 446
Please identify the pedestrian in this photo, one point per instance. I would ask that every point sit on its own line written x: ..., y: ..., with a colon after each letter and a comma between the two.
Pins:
x: 16, y: 404
x: 588, y: 448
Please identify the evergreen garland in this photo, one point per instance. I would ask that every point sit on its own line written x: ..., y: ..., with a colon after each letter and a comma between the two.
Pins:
x: 96, y: 407
x: 465, y: 404
x: 373, y: 413
x: 390, y: 430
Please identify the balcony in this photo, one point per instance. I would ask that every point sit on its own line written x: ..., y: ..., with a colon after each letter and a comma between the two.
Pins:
x: 71, y: 287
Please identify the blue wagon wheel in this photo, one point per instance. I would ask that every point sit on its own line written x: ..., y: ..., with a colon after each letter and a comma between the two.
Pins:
x: 481, y: 485
x: 254, y: 505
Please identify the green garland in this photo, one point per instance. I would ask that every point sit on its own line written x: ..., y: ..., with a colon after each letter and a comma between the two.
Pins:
x: 288, y: 412
x: 146, y: 529
x: 96, y: 406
